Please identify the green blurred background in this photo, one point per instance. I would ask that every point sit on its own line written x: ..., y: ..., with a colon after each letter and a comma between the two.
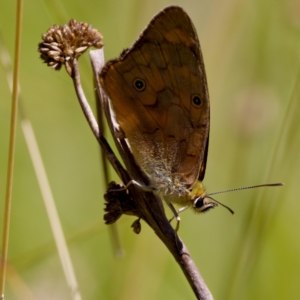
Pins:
x: 251, y: 52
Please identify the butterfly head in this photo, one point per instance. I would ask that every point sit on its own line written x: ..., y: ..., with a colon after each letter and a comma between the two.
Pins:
x: 202, y: 204
x: 200, y: 201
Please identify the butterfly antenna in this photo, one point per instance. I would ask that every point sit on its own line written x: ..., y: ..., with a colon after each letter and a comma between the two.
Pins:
x: 248, y: 187
x: 239, y: 189
x: 227, y: 207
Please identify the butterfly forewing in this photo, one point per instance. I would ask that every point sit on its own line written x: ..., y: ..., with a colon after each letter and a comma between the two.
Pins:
x: 159, y: 94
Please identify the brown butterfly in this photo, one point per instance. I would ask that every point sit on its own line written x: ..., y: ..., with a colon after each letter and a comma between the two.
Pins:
x: 159, y: 98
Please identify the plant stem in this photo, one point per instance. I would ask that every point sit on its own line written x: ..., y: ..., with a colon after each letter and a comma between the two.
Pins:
x: 11, y: 152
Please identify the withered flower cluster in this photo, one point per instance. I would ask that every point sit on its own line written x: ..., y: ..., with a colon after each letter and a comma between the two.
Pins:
x: 61, y: 44
x: 119, y: 202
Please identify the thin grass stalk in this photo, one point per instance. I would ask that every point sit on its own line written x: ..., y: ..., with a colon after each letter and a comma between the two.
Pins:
x: 12, y: 146
x: 44, y: 185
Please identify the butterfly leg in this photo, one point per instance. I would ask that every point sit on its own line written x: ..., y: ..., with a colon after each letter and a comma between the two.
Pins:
x: 178, y: 212
x: 142, y: 187
x: 175, y: 215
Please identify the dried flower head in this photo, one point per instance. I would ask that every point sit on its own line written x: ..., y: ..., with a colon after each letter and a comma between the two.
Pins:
x: 61, y: 44
x: 119, y: 202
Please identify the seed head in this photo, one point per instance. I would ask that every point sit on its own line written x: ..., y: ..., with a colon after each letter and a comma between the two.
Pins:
x: 61, y: 44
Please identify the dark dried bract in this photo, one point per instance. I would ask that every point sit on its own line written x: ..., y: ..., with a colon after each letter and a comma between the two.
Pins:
x: 136, y: 225
x: 119, y: 202
x: 61, y: 44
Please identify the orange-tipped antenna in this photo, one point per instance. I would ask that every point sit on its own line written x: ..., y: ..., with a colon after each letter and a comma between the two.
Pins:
x: 239, y: 189
x: 232, y: 212
x: 248, y: 187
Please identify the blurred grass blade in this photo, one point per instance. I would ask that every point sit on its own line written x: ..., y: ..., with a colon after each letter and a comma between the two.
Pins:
x: 51, y: 208
x: 44, y: 186
x: 114, y: 234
